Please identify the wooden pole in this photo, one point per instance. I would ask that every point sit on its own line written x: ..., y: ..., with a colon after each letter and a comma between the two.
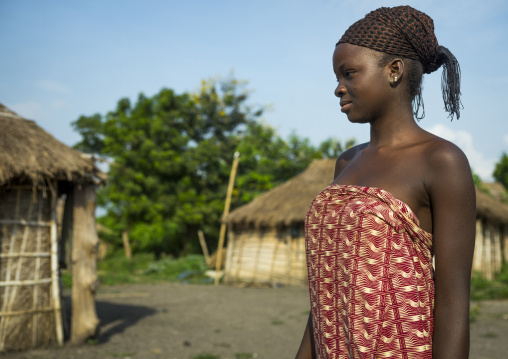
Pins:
x: 204, y: 247
x: 126, y: 244
x: 84, y: 323
x: 35, y: 317
x: 55, y: 272
x: 488, y: 252
x: 229, y: 257
x: 478, y: 247
x: 222, y: 232
x: 504, y: 234
x: 498, y: 256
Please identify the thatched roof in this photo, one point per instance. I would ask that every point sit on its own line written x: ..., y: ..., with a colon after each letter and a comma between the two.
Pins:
x: 497, y: 190
x: 491, y: 208
x: 30, y: 153
x: 288, y: 203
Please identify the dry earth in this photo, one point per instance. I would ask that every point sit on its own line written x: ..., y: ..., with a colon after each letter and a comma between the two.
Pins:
x: 182, y: 321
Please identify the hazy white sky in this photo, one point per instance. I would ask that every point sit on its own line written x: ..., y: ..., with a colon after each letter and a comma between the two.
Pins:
x: 61, y: 59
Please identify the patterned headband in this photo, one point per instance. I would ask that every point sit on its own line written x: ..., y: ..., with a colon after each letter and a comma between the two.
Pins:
x: 407, y: 32
x: 401, y: 31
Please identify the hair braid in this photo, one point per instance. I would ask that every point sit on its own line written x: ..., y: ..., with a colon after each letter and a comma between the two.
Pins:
x: 450, y: 82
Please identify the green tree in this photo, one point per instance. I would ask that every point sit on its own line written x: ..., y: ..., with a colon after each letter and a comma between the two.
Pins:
x: 171, y: 156
x: 332, y: 147
x: 501, y: 170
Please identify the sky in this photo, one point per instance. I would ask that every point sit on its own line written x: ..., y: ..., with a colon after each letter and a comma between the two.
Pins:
x: 62, y: 59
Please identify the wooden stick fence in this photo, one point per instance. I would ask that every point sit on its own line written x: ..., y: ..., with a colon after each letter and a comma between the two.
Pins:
x: 27, y: 252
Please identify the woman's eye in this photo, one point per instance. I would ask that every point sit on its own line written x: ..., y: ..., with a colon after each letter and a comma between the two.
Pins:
x: 348, y: 73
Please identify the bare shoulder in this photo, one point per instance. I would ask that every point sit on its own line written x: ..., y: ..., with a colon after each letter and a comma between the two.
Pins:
x: 444, y: 156
x: 346, y: 157
x: 446, y: 165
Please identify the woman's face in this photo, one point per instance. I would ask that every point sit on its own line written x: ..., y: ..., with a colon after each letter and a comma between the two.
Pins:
x: 363, y: 86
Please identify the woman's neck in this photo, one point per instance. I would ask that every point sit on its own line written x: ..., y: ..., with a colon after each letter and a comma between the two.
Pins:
x: 396, y: 128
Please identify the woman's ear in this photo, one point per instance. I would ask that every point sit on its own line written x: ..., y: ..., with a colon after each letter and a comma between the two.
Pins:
x: 396, y: 71
x: 396, y: 68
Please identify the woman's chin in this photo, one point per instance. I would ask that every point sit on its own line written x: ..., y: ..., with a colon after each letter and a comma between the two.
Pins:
x: 354, y: 119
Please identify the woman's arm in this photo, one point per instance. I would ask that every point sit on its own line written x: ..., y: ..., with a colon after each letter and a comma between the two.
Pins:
x: 307, y: 350
x: 453, y: 204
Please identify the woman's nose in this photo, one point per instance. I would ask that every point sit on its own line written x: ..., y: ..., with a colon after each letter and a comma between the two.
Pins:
x: 340, y: 90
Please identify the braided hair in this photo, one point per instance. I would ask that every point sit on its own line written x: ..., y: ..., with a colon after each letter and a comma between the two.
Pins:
x: 405, y: 32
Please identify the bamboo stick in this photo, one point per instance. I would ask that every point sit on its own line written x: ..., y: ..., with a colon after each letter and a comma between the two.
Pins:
x: 126, y: 244
x: 204, y: 247
x: 222, y: 232
x: 488, y: 252
x: 478, y: 248
x: 35, y: 319
x: 27, y: 254
x: 14, y: 283
x: 26, y: 312
x: 55, y: 273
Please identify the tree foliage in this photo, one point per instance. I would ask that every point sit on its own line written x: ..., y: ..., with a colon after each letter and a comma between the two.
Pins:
x: 170, y: 158
x: 501, y: 170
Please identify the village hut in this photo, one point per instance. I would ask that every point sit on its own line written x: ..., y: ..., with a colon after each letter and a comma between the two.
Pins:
x: 266, y: 241
x: 35, y: 171
x: 491, y: 246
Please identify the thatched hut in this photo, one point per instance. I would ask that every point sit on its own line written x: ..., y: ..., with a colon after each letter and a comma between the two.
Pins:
x: 266, y: 240
x: 35, y: 170
x: 491, y: 247
x: 266, y: 236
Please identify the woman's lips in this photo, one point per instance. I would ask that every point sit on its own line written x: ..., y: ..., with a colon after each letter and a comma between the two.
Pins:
x: 345, y: 106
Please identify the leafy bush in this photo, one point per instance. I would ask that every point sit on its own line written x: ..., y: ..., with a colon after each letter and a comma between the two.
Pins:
x: 142, y: 268
x: 482, y: 288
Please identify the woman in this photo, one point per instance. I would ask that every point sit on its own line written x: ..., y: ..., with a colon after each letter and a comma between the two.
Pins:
x: 396, y: 203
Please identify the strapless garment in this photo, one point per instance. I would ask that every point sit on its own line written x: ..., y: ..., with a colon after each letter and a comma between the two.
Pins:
x: 370, y: 276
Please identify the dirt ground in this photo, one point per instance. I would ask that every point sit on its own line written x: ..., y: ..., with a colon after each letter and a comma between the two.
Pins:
x: 179, y: 321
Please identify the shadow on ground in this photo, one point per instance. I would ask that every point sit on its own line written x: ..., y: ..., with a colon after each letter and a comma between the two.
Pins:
x: 114, y: 318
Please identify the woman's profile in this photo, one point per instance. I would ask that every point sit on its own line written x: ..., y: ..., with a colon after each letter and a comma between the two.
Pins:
x: 397, y: 203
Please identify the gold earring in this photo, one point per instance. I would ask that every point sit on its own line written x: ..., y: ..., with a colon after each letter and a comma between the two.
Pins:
x: 393, y: 80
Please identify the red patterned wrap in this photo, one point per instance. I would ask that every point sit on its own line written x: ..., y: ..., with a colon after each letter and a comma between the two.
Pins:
x: 370, y: 276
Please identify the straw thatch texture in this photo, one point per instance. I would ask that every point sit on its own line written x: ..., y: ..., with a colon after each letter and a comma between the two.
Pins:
x: 288, y: 203
x: 489, y: 207
x: 497, y: 190
x: 30, y: 153
x: 27, y: 316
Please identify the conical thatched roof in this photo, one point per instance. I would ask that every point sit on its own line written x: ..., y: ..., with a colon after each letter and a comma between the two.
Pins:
x: 288, y: 203
x: 30, y: 153
x: 497, y: 190
x: 491, y: 208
